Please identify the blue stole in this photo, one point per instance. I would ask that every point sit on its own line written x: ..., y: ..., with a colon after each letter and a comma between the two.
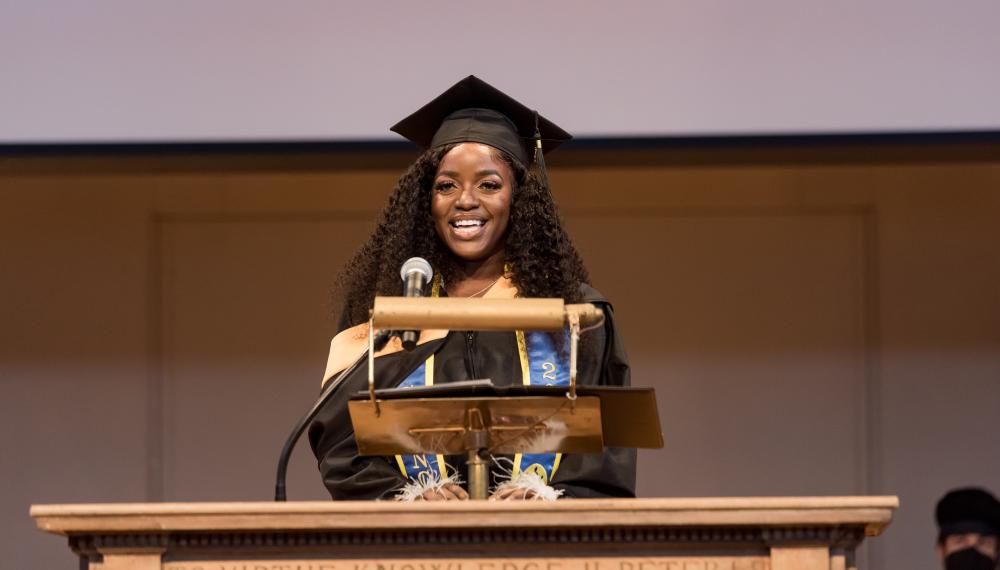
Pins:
x: 424, y: 469
x: 541, y: 365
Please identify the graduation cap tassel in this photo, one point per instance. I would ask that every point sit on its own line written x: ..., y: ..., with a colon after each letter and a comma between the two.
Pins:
x: 539, y: 161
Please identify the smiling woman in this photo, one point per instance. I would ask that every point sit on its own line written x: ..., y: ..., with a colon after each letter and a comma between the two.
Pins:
x: 470, y: 204
x: 477, y: 205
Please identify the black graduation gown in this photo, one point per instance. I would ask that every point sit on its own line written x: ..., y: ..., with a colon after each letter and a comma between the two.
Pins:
x: 467, y: 356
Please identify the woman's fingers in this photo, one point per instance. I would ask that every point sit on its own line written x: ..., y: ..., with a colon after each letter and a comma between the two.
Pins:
x: 500, y: 495
x: 513, y: 494
x: 449, y: 492
x: 458, y: 491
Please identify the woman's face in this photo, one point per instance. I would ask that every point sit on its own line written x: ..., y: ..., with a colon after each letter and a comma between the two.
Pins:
x: 470, y: 201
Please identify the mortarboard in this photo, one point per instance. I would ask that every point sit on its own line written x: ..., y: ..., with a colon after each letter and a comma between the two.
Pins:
x: 475, y: 111
x: 968, y: 510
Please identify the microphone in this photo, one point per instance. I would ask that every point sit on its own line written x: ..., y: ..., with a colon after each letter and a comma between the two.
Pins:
x: 416, y: 273
x: 324, y: 397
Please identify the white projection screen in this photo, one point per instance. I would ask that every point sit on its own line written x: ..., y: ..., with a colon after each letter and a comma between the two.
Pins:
x: 326, y: 70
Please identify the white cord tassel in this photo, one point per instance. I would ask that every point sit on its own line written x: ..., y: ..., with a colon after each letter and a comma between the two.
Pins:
x: 531, y: 482
x: 427, y: 481
x: 524, y: 480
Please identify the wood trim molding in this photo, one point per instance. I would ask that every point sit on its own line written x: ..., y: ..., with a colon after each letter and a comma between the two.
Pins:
x: 871, y: 513
x: 796, y: 532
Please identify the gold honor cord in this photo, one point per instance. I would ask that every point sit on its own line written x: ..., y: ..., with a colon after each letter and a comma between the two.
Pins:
x: 429, y: 381
x: 522, y: 353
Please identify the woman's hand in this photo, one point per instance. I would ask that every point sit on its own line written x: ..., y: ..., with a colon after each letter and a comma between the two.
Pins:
x: 447, y: 492
x: 513, y: 494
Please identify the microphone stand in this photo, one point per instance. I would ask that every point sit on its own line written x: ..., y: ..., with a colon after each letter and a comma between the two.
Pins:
x: 286, y: 452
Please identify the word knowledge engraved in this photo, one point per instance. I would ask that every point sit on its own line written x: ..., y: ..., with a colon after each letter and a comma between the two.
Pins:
x: 630, y: 563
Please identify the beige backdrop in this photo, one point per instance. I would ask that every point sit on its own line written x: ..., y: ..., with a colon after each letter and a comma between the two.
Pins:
x: 815, y: 322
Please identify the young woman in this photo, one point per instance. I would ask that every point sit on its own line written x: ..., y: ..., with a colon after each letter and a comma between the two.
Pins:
x: 474, y: 208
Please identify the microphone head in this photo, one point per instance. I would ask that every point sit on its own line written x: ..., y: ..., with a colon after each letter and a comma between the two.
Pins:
x: 419, y: 265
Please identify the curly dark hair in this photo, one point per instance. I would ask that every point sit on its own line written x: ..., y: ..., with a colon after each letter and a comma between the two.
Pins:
x: 542, y: 259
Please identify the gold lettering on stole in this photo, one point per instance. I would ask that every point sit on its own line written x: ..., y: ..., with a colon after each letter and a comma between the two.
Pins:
x: 549, y: 371
x: 538, y: 470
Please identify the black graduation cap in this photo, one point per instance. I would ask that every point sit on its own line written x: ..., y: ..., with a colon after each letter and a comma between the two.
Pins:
x: 967, y: 510
x: 475, y: 111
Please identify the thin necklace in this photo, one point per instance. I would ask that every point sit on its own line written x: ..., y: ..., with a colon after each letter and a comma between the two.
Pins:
x: 485, y: 289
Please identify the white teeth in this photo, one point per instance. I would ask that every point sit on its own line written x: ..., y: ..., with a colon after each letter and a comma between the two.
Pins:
x: 467, y: 223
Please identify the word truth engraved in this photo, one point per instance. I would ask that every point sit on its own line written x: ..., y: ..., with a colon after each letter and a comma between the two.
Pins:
x: 630, y: 563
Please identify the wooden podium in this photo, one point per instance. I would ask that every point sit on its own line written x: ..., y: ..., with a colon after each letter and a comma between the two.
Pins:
x: 800, y: 533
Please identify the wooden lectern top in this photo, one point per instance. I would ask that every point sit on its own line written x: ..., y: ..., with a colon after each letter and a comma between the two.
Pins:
x: 871, y: 513
x: 787, y: 533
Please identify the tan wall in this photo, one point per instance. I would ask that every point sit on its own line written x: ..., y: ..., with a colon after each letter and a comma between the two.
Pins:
x: 819, y: 323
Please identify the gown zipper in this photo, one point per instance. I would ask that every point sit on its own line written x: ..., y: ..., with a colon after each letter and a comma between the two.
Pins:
x: 470, y: 355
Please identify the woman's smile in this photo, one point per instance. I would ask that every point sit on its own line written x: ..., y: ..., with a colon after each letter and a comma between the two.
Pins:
x: 468, y: 228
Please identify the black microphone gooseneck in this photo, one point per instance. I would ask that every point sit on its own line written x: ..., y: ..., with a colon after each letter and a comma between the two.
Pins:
x: 328, y: 391
x: 416, y: 273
